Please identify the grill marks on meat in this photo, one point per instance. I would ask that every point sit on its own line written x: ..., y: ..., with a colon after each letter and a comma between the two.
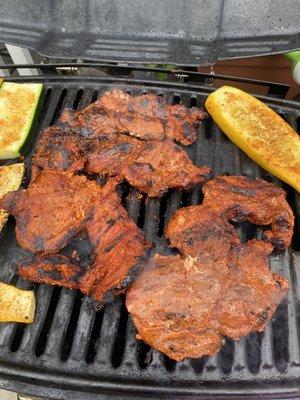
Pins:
x: 58, y: 149
x: 256, y: 201
x: 183, y: 305
x: 162, y: 165
x: 152, y: 167
x: 254, y: 291
x: 126, y: 137
x: 170, y: 307
x: 56, y: 209
x: 52, y: 210
x: 146, y: 117
x: 110, y: 155
x: 199, y: 231
x: 53, y: 270
x: 119, y: 245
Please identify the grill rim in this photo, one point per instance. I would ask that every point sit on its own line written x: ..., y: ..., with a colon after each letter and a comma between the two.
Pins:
x: 40, y: 388
x: 10, y: 373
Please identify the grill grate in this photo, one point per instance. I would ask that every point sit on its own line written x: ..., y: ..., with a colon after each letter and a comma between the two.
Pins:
x: 72, y: 347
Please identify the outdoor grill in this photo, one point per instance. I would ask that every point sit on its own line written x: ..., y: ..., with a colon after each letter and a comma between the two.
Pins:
x: 73, y: 351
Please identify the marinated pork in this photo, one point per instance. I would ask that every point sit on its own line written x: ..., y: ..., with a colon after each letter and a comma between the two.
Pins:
x: 145, y: 116
x: 54, y: 212
x: 53, y: 270
x: 58, y: 149
x: 53, y: 209
x: 119, y: 246
x: 253, y: 200
x: 151, y: 166
x: 217, y: 286
x: 183, y: 306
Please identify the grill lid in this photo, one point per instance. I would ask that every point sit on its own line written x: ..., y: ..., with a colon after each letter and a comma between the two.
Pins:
x: 171, y: 31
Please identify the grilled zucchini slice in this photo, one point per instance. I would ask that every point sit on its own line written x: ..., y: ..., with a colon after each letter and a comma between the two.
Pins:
x: 259, y: 131
x: 18, y: 104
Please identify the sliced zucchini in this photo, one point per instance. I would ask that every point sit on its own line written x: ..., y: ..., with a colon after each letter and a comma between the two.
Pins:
x: 16, y: 305
x: 18, y: 104
x: 10, y: 179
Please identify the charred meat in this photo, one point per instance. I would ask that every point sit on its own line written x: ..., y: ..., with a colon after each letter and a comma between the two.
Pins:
x: 145, y: 116
x: 183, y: 305
x: 55, y: 210
x: 253, y: 200
x: 151, y: 166
x: 53, y: 270
x: 119, y: 246
x: 52, y: 210
x: 58, y: 149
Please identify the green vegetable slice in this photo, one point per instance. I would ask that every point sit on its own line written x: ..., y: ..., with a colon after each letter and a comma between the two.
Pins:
x: 18, y: 104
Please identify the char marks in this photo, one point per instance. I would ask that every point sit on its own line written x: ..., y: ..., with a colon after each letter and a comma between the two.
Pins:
x: 183, y: 305
x: 146, y: 116
x: 137, y: 145
x: 59, y: 209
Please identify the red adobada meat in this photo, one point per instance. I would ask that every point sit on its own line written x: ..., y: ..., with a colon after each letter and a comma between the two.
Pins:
x: 145, y: 116
x: 183, y: 305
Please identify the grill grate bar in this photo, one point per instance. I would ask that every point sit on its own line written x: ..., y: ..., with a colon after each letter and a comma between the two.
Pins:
x: 130, y: 355
x: 296, y: 274
x: 133, y: 204
x: 293, y: 342
x: 151, y: 219
x: 239, y: 357
x: 157, y: 361
x: 60, y: 323
x: 109, y: 330
x: 32, y: 332
x: 83, y: 331
x: 267, y: 348
x: 68, y: 101
x: 173, y: 203
x: 212, y: 363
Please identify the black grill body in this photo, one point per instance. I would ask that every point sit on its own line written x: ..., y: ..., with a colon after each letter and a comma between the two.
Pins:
x: 74, y: 352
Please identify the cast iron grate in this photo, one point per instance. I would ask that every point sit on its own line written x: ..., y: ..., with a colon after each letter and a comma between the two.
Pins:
x: 71, y: 347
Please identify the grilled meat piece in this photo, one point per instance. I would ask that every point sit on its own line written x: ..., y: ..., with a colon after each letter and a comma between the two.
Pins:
x: 254, y: 291
x: 144, y: 116
x: 52, y: 215
x: 162, y: 165
x: 254, y: 200
x: 108, y: 156
x: 183, y: 306
x: 58, y: 149
x: 198, y: 230
x: 61, y: 149
x: 53, y: 270
x: 152, y: 167
x: 172, y: 303
x: 119, y: 246
x: 52, y: 210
